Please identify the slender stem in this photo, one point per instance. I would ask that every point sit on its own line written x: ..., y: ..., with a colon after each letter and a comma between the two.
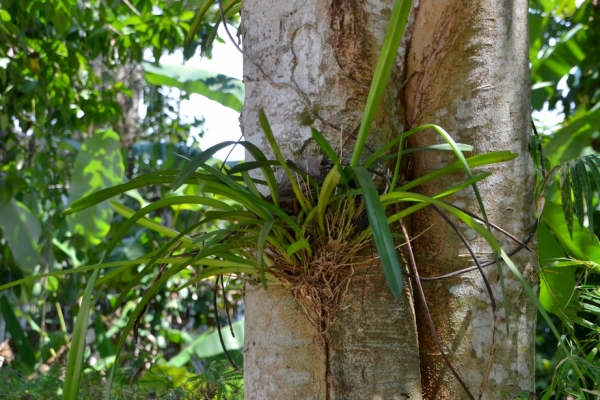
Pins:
x: 218, y: 323
x: 413, y: 264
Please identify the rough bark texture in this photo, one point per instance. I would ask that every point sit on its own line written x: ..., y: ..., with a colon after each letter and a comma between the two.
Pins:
x: 374, y: 352
x: 328, y: 50
x: 283, y: 357
x: 468, y: 67
x: 371, y: 350
x: 471, y: 76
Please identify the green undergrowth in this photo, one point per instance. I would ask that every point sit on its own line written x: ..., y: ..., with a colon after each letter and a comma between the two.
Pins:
x: 216, y: 382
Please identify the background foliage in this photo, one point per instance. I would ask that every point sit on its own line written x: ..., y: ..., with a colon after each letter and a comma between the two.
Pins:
x: 73, y: 76
x: 72, y: 89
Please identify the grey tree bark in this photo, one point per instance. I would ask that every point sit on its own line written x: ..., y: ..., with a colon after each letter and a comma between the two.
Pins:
x: 328, y: 50
x: 467, y: 64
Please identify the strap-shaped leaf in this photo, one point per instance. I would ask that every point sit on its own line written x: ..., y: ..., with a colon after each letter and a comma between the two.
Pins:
x: 162, y: 177
x: 251, y: 165
x: 75, y: 361
x: 389, y: 145
x: 324, y: 145
x: 475, y: 161
x: 381, y: 232
x: 195, y: 25
x: 385, y: 62
x: 577, y: 179
x: 586, y: 186
x: 196, y: 162
x: 262, y: 240
x: 331, y: 181
x: 297, y: 246
x: 565, y: 194
x: 266, y: 127
x: 250, y: 184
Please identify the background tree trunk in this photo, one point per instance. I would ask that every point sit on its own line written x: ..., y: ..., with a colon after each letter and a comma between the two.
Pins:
x: 328, y: 50
x: 471, y: 76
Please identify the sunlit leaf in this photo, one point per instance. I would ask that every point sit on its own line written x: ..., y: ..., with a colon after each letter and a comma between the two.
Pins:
x: 98, y: 165
x: 262, y: 239
x: 576, y: 243
x: 557, y: 283
x: 223, y: 89
x: 196, y: 23
x: 22, y: 231
x: 566, y: 196
x: 208, y: 344
x: 568, y: 142
x: 329, y: 184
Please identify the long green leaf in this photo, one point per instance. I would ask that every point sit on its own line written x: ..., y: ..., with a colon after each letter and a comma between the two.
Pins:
x: 467, y: 219
x: 475, y: 161
x: 146, y: 210
x: 386, y: 60
x: 198, y: 161
x: 266, y: 127
x: 465, y: 166
x: 195, y: 25
x: 297, y: 246
x: 331, y: 181
x: 148, y: 223
x: 324, y: 145
x: 433, y: 147
x: 250, y: 185
x: 389, y: 145
x: 153, y: 178
x: 75, y: 359
x: 114, y: 264
x: 381, y: 232
x: 262, y: 239
x: 267, y: 171
x: 149, y: 265
x: 566, y: 196
x: 251, y: 165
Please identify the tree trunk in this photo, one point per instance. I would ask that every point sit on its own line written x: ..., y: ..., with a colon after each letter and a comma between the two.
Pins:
x: 470, y: 75
x: 328, y: 51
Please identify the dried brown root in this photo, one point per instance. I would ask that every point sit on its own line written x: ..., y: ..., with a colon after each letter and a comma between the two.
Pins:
x: 320, y: 285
